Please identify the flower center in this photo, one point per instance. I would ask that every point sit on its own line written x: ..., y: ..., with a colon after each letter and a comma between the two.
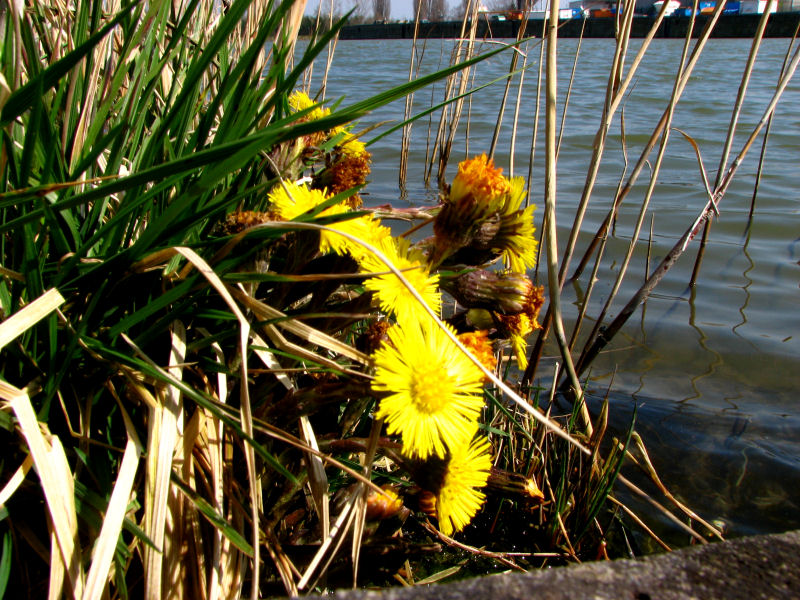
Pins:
x: 431, y: 388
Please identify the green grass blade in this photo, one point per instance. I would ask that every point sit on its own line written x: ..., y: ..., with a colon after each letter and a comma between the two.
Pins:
x: 22, y: 99
x: 208, y: 511
x: 5, y: 563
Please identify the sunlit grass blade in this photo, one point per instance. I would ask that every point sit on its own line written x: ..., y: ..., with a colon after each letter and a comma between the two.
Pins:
x: 51, y: 463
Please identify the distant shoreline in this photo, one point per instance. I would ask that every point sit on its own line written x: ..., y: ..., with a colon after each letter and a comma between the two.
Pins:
x: 783, y: 24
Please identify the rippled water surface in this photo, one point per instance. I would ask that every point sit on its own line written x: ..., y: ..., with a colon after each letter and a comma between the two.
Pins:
x: 714, y: 369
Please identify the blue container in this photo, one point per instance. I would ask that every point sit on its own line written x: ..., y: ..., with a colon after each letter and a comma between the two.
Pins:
x: 703, y: 7
x: 732, y: 8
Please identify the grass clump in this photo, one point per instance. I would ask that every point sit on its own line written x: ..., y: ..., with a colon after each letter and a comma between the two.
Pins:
x: 219, y: 364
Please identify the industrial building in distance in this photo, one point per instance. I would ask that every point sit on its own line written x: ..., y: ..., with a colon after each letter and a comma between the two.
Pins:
x: 587, y: 18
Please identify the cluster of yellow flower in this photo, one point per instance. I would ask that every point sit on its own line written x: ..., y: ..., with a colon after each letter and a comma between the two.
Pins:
x: 431, y: 392
x: 346, y: 166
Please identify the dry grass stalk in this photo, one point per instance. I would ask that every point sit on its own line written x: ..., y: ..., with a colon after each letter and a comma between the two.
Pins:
x: 762, y: 156
x: 24, y: 319
x: 162, y: 434
x: 615, y: 92
x: 15, y: 480
x: 648, y: 193
x: 103, y: 553
x: 455, y: 87
x: 55, y: 476
x: 463, y: 79
x: 413, y: 70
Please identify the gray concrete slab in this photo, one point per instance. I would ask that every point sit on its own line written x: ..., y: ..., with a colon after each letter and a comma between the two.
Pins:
x: 753, y: 568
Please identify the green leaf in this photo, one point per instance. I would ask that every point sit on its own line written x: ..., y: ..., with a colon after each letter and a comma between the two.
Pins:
x: 31, y: 135
x: 210, y: 513
x: 5, y: 563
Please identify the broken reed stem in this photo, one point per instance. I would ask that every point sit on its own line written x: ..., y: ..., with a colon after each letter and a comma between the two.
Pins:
x: 455, y: 56
x: 680, y: 246
x: 331, y: 49
x: 535, y: 133
x: 593, y: 279
x: 656, y: 169
x: 511, y: 69
x: 522, y: 29
x: 517, y: 105
x: 464, y: 74
x: 640, y: 164
x: 569, y: 88
x: 769, y: 127
x: 748, y: 70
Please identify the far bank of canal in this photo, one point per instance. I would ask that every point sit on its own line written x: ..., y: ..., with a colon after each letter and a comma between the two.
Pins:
x: 783, y: 24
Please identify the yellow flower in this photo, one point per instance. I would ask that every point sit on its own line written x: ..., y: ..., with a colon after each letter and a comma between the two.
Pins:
x: 434, y: 390
x: 354, y: 147
x: 392, y: 295
x: 301, y: 101
x: 517, y: 327
x: 478, y: 178
x: 460, y: 498
x: 515, y: 235
x: 290, y: 200
x: 515, y: 239
x: 520, y: 347
x: 364, y: 228
x: 346, y: 172
x: 513, y: 198
x: 367, y: 229
x: 476, y: 195
x: 478, y: 343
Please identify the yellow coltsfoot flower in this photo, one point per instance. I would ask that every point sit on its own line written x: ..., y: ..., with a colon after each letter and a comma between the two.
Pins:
x: 515, y: 240
x: 288, y: 201
x: 480, y: 181
x: 480, y: 345
x: 477, y: 194
x: 516, y: 327
x: 299, y: 101
x: 460, y: 497
x: 481, y: 219
x: 392, y: 294
x: 353, y: 146
x: 434, y: 390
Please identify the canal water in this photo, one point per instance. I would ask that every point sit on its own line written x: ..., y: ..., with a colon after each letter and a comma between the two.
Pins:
x: 713, y: 369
